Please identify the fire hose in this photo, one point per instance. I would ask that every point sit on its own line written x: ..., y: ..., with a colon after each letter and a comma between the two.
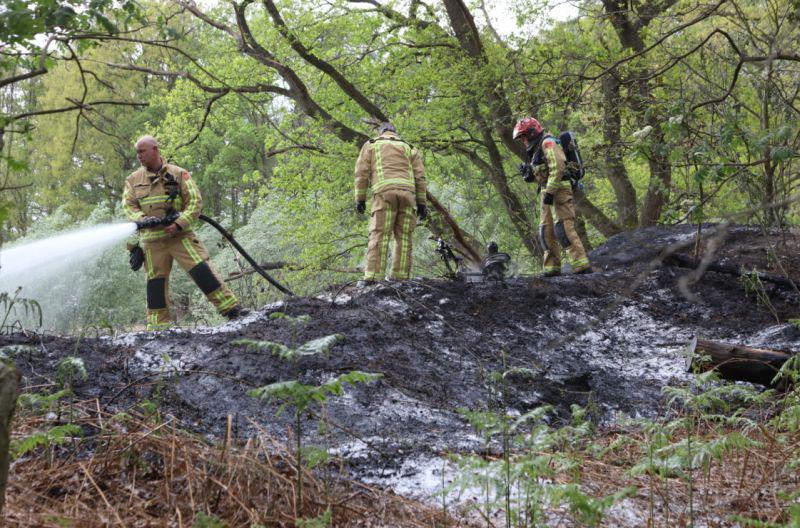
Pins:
x: 153, y: 222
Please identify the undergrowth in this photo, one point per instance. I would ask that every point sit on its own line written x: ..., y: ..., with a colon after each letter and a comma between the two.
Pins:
x: 720, y: 454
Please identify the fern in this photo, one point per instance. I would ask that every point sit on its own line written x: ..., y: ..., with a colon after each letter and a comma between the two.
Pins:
x: 321, y: 521
x: 53, y: 436
x: 10, y: 302
x: 35, y: 400
x: 320, y: 346
x: 69, y: 370
x: 302, y: 396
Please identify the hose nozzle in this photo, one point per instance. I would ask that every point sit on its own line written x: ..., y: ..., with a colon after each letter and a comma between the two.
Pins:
x: 156, y: 221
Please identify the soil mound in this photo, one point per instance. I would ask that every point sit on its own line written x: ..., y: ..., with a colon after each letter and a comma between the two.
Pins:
x: 610, y: 340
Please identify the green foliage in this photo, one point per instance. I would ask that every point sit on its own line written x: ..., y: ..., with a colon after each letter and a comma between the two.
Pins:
x: 57, y: 435
x: 321, y: 521
x: 302, y: 396
x: 41, y: 402
x: 21, y: 22
x: 201, y: 520
x: 9, y: 303
x: 319, y: 346
x: 69, y: 370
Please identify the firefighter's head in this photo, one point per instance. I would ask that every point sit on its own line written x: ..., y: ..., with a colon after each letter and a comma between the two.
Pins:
x: 386, y: 127
x: 147, y: 152
x: 528, y: 130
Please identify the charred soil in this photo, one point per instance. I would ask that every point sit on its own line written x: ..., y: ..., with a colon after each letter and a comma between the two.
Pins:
x: 610, y: 340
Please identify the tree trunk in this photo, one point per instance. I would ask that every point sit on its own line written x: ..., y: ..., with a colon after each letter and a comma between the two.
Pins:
x: 9, y: 387
x: 738, y: 362
x: 599, y: 220
x: 461, y: 242
x: 615, y: 169
x: 660, y: 181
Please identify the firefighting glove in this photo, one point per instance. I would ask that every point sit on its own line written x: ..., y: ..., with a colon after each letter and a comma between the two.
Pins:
x: 548, y: 198
x: 136, y: 258
x: 526, y: 170
x: 361, y: 206
x: 422, y: 212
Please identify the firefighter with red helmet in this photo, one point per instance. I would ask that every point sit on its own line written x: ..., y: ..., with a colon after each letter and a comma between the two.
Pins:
x: 546, y: 165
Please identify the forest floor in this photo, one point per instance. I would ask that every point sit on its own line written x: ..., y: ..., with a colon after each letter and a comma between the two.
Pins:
x: 608, y: 342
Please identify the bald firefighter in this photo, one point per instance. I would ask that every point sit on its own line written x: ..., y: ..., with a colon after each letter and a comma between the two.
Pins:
x: 548, y: 162
x: 158, y: 189
x: 393, y: 170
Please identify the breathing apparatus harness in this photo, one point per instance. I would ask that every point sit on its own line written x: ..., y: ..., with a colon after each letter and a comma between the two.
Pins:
x: 173, y: 188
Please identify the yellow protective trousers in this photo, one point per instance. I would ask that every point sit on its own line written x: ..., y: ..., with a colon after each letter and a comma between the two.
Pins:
x: 561, y: 232
x: 193, y: 258
x: 393, y: 214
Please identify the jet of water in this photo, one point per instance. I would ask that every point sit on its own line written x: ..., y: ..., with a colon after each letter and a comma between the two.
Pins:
x: 65, y: 248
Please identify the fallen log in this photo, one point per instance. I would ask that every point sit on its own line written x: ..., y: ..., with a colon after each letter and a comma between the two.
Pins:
x: 736, y: 362
x: 682, y: 261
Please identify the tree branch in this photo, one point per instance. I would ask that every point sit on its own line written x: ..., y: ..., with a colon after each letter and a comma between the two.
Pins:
x: 349, y: 88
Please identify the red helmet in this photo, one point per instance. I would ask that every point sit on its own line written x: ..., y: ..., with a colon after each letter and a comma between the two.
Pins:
x: 525, y: 125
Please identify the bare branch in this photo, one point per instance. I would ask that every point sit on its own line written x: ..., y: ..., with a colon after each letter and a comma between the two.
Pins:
x: 75, y: 106
x: 41, y: 70
x: 349, y: 88
x: 208, y: 106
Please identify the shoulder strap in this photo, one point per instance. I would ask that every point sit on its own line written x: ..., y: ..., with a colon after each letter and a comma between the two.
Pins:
x: 536, y: 159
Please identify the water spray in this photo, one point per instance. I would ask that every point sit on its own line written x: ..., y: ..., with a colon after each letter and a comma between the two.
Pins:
x: 60, y: 249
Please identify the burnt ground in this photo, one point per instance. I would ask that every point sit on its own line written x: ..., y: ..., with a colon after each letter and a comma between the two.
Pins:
x: 612, y: 339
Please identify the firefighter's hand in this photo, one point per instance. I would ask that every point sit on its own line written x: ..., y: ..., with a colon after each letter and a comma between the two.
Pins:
x: 548, y: 198
x: 172, y: 229
x: 422, y: 212
x: 361, y: 206
x: 136, y: 258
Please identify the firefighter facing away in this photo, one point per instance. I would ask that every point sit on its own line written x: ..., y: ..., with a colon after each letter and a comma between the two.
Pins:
x: 548, y: 165
x: 158, y: 189
x: 393, y: 170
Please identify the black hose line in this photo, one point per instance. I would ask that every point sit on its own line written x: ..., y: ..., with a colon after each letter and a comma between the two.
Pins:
x: 244, y: 253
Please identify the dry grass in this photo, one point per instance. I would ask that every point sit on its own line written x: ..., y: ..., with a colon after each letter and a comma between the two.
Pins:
x: 133, y: 472
x: 126, y: 471
x: 752, y: 483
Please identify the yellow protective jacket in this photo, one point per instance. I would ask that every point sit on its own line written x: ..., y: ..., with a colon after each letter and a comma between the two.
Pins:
x: 556, y: 162
x: 389, y: 163
x: 146, y: 193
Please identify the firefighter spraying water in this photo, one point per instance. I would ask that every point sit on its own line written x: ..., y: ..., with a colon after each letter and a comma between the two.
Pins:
x: 165, y: 203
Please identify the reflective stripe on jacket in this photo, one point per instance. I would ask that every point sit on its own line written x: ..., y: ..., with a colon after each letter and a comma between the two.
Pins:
x: 556, y: 161
x: 388, y: 162
x: 146, y: 194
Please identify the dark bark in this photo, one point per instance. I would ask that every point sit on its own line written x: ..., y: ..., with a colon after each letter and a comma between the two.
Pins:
x: 309, y: 56
x: 738, y: 362
x: 629, y: 20
x: 659, y: 186
x: 615, y: 169
x: 9, y: 388
x: 466, y: 31
x: 599, y: 220
x: 682, y: 261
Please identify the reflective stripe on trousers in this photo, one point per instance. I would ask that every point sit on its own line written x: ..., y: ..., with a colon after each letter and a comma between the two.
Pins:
x: 393, y: 215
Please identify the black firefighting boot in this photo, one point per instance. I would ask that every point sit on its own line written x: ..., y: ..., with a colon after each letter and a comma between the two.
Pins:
x: 236, y: 312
